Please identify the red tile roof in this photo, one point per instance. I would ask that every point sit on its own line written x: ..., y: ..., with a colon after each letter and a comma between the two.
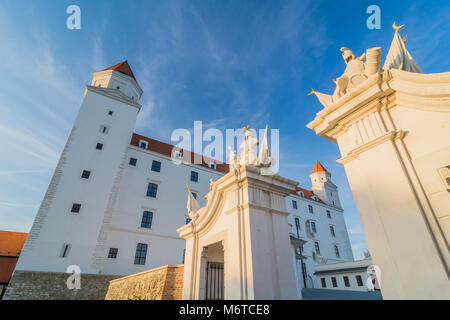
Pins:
x: 7, y: 265
x: 11, y: 243
x: 318, y: 167
x: 166, y: 149
x: 308, y: 194
x: 123, y: 67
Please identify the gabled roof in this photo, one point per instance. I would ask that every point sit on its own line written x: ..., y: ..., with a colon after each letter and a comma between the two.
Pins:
x: 318, y: 167
x: 11, y: 243
x: 123, y: 67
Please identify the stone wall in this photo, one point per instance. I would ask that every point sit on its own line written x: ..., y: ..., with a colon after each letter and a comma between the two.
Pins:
x: 163, y: 283
x: 33, y: 285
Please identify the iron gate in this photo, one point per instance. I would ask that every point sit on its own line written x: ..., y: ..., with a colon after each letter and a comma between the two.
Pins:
x: 214, y: 281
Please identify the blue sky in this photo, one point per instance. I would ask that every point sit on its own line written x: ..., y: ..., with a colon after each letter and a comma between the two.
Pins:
x: 227, y: 63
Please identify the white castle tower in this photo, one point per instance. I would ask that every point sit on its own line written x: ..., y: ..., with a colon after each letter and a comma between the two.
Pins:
x: 323, y: 187
x: 76, y: 206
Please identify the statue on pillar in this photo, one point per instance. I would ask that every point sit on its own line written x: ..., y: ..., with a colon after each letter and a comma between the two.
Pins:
x: 248, y: 155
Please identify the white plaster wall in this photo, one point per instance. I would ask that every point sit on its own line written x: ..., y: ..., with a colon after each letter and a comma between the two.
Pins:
x: 169, y: 210
x: 59, y: 225
x: 340, y: 281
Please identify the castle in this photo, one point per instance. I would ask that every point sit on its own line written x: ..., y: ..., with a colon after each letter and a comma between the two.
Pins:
x: 116, y: 199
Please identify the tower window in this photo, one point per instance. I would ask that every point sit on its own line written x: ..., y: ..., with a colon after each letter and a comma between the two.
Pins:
x: 104, y: 129
x: 332, y: 231
x: 118, y: 88
x: 76, y: 208
x: 156, y: 166
x: 112, y: 254
x: 336, y: 251
x: 141, y: 253
x: 85, y: 174
x: 99, y: 146
x: 294, y: 204
x: 65, y: 250
x: 110, y: 112
x: 152, y: 189
x: 147, y: 218
x: 133, y: 162
x: 194, y: 176
x: 188, y: 220
x: 346, y: 281
x: 194, y: 195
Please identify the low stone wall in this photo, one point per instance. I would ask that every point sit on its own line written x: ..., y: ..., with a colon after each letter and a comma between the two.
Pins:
x: 163, y: 283
x: 34, y: 285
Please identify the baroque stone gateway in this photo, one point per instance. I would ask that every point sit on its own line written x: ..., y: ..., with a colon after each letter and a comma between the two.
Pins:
x: 392, y: 127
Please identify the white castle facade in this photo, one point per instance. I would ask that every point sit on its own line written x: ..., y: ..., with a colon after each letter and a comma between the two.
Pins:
x: 116, y: 198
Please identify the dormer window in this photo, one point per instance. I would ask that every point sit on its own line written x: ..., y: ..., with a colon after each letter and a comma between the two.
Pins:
x: 315, y: 198
x: 301, y: 194
x: 212, y: 165
x: 143, y: 144
x: 178, y: 154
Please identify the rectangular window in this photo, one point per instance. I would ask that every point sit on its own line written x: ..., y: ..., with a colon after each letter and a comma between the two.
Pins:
x: 310, y: 208
x: 141, y: 253
x: 297, y: 226
x: 317, y: 247
x: 76, y: 208
x: 313, y: 227
x: 336, y: 251
x: 147, y: 218
x: 328, y: 214
x: 324, y: 282
x: 194, y: 176
x: 104, y: 129
x: 65, y: 250
x: 133, y: 162
x: 152, y: 189
x: 156, y: 166
x: 334, y: 282
x: 99, y: 146
x: 294, y: 204
x: 359, y: 281
x: 346, y: 281
x: 85, y: 174
x: 332, y: 231
x: 112, y: 254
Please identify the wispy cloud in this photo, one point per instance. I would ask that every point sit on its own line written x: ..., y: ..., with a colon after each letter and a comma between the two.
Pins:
x: 18, y: 205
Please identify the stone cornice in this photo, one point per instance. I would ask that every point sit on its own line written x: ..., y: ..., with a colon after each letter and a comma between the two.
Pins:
x: 113, y: 94
x: 430, y: 92
x: 245, y: 177
x: 354, y: 154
